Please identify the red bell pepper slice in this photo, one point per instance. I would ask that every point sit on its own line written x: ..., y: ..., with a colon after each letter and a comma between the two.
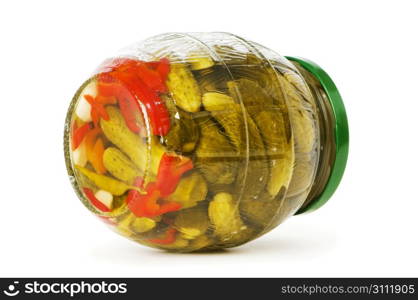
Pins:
x: 78, y: 134
x: 133, y: 194
x: 97, y: 110
x: 168, y: 207
x: 144, y: 82
x: 169, y: 237
x: 106, y: 85
x: 94, y: 201
x: 170, y: 170
x: 151, y: 78
x: 112, y: 64
x: 148, y: 205
x: 163, y: 68
x: 151, y: 204
x: 130, y: 111
x: 109, y: 87
x: 155, y: 107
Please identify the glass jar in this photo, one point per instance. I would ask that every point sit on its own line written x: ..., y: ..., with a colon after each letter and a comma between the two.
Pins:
x: 200, y: 141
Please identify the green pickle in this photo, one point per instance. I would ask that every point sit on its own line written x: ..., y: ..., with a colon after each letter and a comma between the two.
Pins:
x: 190, y: 190
x: 224, y: 216
x: 215, y: 156
x: 119, y: 165
x: 229, y: 144
x: 192, y: 223
x: 128, y: 142
x: 183, y: 87
x: 184, y: 133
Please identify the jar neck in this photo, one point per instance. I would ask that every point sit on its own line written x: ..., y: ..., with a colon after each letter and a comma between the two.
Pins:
x: 326, y: 124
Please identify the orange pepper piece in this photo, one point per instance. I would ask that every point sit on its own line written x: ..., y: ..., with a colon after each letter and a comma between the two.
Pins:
x: 97, y: 110
x: 78, y: 134
x: 91, y: 138
x: 95, y: 150
x: 97, y: 156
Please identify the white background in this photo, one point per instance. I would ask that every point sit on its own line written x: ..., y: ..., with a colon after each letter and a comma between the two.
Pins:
x: 369, y: 227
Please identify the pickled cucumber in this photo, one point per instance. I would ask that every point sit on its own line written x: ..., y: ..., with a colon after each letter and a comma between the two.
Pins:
x: 261, y: 211
x: 303, y: 130
x: 303, y: 125
x: 258, y: 166
x: 190, y: 190
x: 232, y: 119
x: 119, y: 134
x: 251, y: 94
x: 184, y: 132
x: 216, y: 101
x: 109, y: 184
x: 212, y: 79
x: 302, y: 175
x: 120, y: 166
x: 192, y: 222
x: 142, y: 224
x: 182, y: 137
x: 215, y: 158
x: 236, y: 122
x: 278, y: 149
x: 272, y: 128
x: 200, y: 243
x: 298, y: 82
x: 224, y: 216
x: 183, y: 87
x: 199, y: 61
x: 130, y: 224
x: 255, y: 69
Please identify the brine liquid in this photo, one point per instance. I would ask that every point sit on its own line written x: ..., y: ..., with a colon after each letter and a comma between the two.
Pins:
x: 207, y: 142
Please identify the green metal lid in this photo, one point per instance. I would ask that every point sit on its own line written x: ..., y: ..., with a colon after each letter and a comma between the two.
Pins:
x: 340, y: 131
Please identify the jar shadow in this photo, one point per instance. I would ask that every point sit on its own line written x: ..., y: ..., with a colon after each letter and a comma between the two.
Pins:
x: 300, y: 243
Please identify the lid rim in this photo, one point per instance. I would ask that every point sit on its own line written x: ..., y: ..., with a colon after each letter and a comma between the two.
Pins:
x: 341, y: 133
